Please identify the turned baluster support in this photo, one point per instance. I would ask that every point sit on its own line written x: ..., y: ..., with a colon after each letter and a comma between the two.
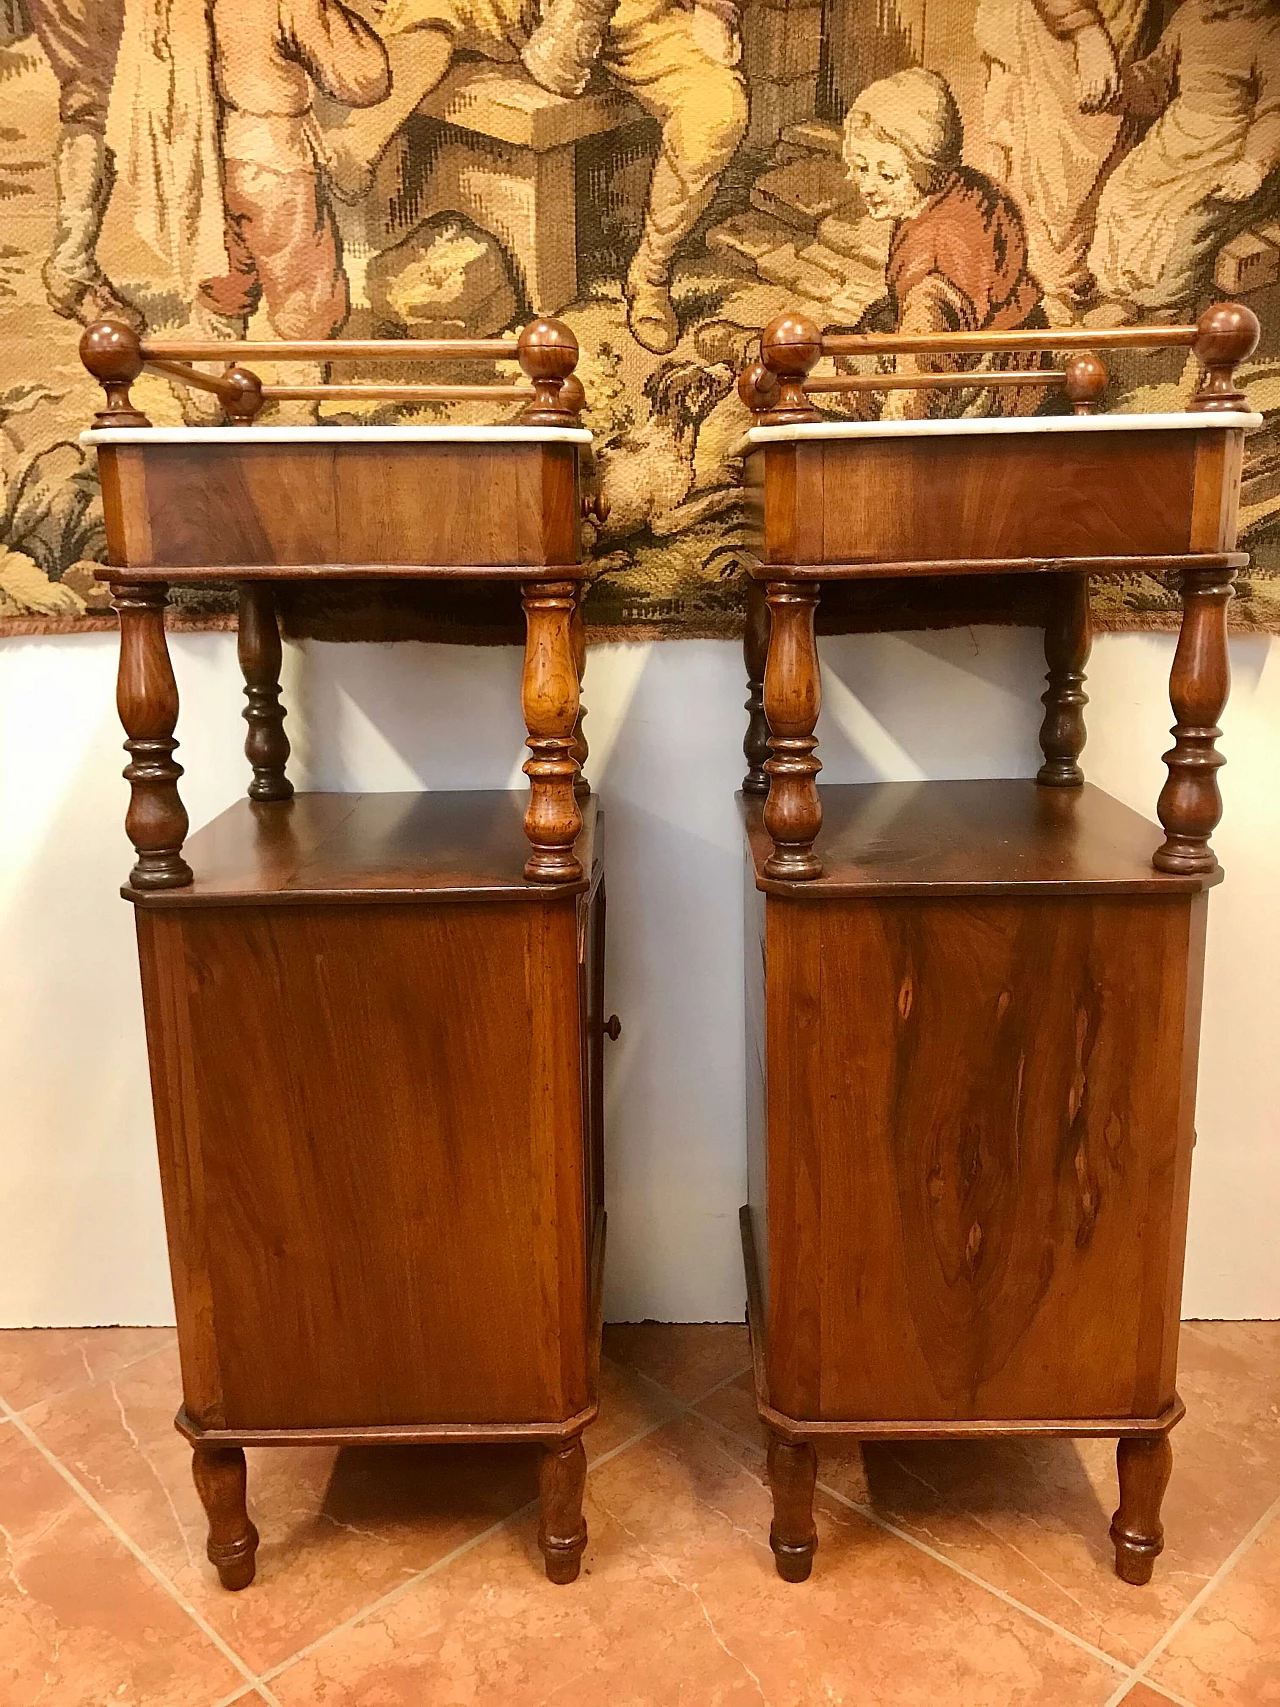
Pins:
x: 755, y: 653
x: 790, y: 346
x: 792, y: 700
x: 1226, y: 335
x: 1190, y: 803
x: 793, y: 1474
x: 220, y: 1478
x: 1144, y: 1463
x: 581, y: 751
x: 1067, y: 637
x: 112, y: 352
x: 548, y: 352
x: 266, y: 746
x: 549, y: 696
x: 147, y: 700
x: 562, y: 1530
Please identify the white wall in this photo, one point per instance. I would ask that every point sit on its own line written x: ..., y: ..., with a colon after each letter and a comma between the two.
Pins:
x: 81, y: 1239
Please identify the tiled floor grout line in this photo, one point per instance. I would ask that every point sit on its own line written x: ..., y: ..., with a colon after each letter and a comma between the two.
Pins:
x: 94, y: 1381
x: 1195, y: 1603
x: 104, y: 1517
x: 678, y: 1407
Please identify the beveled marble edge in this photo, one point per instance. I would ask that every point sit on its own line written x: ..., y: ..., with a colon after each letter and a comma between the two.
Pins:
x: 988, y: 426
x: 334, y: 435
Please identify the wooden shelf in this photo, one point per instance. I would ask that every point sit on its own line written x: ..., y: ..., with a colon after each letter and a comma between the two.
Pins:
x: 434, y: 846
x: 985, y: 837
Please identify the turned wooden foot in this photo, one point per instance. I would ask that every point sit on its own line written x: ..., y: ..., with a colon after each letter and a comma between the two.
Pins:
x: 562, y: 1530
x: 1144, y: 1464
x: 219, y: 1473
x: 793, y: 1472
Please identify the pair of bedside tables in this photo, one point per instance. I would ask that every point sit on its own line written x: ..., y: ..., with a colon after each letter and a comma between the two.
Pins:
x: 376, y: 1022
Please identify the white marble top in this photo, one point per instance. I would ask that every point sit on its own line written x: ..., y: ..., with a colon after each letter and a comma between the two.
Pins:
x: 334, y: 435
x: 996, y: 426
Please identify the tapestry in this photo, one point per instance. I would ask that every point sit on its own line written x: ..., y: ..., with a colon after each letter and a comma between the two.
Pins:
x: 663, y: 175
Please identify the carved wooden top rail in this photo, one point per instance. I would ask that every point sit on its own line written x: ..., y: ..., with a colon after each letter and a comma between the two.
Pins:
x: 546, y: 351
x: 778, y: 388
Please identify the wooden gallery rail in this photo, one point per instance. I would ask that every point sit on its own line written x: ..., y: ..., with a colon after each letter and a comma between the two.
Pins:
x: 375, y: 1021
x: 976, y: 1004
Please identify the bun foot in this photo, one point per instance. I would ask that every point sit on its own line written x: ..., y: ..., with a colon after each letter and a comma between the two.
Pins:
x: 794, y: 1562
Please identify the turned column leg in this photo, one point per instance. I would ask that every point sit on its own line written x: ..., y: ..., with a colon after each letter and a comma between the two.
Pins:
x: 562, y: 1530
x: 581, y: 752
x: 1144, y: 1463
x: 219, y: 1475
x: 549, y: 695
x: 147, y: 699
x: 1067, y: 637
x: 793, y: 1473
x: 266, y: 746
x: 1190, y: 804
x: 755, y: 653
x: 792, y: 700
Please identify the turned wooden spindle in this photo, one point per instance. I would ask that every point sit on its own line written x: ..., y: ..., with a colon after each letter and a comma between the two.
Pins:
x: 220, y: 1478
x: 581, y: 751
x: 112, y: 352
x: 755, y: 652
x: 147, y: 700
x: 562, y: 1530
x: 793, y: 1473
x: 1190, y: 803
x: 1144, y: 1463
x: 1085, y: 380
x: 1068, y: 635
x: 790, y: 345
x: 548, y: 353
x: 1226, y: 335
x: 549, y: 696
x: 758, y: 389
x: 792, y: 701
x: 266, y: 746
x: 244, y: 408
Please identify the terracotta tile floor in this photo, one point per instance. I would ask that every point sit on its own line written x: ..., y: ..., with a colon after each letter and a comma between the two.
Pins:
x: 951, y: 1576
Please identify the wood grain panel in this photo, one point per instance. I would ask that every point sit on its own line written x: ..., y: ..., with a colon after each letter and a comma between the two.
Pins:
x: 392, y: 1228
x: 995, y: 1161
x: 334, y: 507
x: 958, y: 498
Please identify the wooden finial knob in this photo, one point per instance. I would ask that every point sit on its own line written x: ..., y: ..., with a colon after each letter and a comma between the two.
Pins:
x: 548, y: 353
x: 112, y: 352
x: 790, y: 345
x: 246, y: 405
x: 758, y: 388
x: 573, y: 395
x: 1226, y: 335
x: 1086, y: 380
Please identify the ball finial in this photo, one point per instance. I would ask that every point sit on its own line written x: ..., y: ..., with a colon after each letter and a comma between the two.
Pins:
x: 548, y: 353
x: 112, y: 352
x: 758, y: 388
x: 789, y: 347
x: 1086, y: 380
x: 1226, y: 334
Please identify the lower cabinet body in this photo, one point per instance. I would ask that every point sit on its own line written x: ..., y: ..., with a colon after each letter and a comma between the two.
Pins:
x: 376, y: 1115
x: 971, y: 1112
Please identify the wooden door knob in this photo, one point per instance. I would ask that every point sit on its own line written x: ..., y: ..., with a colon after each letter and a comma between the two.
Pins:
x: 612, y: 1028
x: 595, y: 508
